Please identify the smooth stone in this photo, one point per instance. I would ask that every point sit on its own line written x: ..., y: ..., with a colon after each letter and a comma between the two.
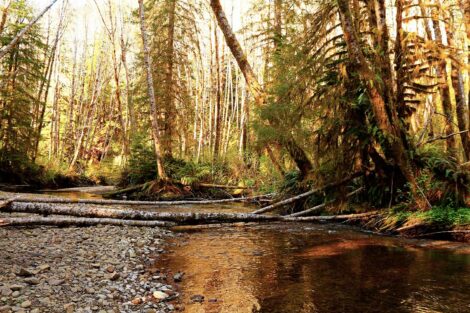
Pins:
x: 197, y: 298
x: 26, y: 304
x: 5, y: 291
x: 114, y: 276
x: 15, y: 294
x: 32, y: 281
x: 178, y: 277
x: 16, y: 287
x: 55, y: 282
x: 160, y: 295
x: 24, y: 273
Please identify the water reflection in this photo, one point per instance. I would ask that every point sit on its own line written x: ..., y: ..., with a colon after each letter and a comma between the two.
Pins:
x: 300, y: 268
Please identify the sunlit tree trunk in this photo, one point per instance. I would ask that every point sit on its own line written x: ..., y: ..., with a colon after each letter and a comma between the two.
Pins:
x: 295, y: 151
x: 444, y: 92
x: 151, y: 94
x: 395, y: 148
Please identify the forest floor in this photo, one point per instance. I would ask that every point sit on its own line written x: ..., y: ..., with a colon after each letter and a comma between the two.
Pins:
x: 91, y: 269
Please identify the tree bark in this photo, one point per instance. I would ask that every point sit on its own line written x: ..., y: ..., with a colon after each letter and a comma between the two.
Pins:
x: 321, y: 206
x: 104, y: 212
x: 151, y: 94
x: 170, y: 112
x: 273, y: 206
x: 21, y: 198
x: 444, y: 91
x: 295, y: 151
x: 78, y: 221
x: 5, y: 49
x: 388, y: 125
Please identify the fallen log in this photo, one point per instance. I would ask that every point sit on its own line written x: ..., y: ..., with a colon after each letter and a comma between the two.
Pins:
x: 204, y: 185
x: 126, y: 202
x: 7, y: 202
x: 273, y: 206
x: 321, y: 206
x: 331, y: 218
x: 78, y: 221
x: 106, y: 212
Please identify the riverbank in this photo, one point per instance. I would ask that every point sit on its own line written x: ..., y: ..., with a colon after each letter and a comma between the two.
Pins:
x: 90, y: 269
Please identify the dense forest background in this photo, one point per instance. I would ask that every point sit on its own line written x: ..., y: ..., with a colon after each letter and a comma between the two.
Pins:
x: 267, y: 94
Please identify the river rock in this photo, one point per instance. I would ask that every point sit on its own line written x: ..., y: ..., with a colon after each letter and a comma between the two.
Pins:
x: 160, y: 295
x: 197, y: 298
x: 16, y: 287
x: 55, y: 282
x: 137, y: 301
x: 114, y: 276
x: 31, y: 281
x: 178, y: 277
x: 26, y: 304
x: 24, y: 272
x: 5, y: 291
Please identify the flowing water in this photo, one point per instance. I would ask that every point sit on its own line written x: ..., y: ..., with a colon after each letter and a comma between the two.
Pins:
x: 315, y: 268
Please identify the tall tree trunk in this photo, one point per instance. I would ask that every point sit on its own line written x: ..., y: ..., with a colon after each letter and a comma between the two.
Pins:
x: 3, y: 19
x: 217, y: 113
x: 295, y: 151
x: 442, y: 75
x: 151, y: 94
x: 395, y: 147
x: 170, y: 112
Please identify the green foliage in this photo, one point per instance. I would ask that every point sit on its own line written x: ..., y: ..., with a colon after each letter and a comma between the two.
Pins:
x: 141, y: 167
x: 445, y: 216
x: 444, y: 180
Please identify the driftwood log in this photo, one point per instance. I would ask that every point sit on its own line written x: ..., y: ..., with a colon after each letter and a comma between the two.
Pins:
x: 321, y: 206
x: 20, y: 198
x: 273, y: 206
x: 106, y: 212
x: 113, y: 215
x: 78, y: 221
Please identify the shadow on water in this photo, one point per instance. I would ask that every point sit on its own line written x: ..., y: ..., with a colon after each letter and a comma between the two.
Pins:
x: 299, y: 268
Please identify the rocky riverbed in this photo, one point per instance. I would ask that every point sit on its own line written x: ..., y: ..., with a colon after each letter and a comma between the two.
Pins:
x: 93, y: 269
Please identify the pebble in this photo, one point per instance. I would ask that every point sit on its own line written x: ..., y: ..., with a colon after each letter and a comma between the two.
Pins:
x: 32, y: 281
x: 5, y: 291
x: 61, y: 272
x: 24, y: 272
x: 16, y: 287
x: 26, y: 304
x: 160, y: 295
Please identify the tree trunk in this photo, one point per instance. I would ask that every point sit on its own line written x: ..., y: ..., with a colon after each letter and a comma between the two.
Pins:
x: 218, y: 96
x: 21, y: 198
x: 170, y: 112
x: 323, y: 205
x: 296, y: 152
x: 78, y: 221
x: 151, y: 95
x: 5, y: 49
x: 271, y: 207
x: 103, y: 212
x: 389, y: 126
x: 442, y: 75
